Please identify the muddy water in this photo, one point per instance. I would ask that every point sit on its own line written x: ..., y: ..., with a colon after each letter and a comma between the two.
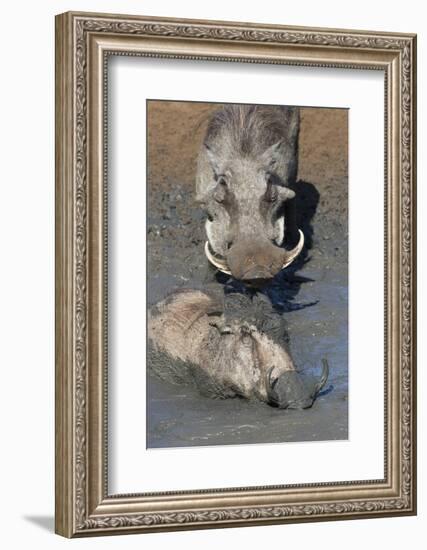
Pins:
x: 314, y: 299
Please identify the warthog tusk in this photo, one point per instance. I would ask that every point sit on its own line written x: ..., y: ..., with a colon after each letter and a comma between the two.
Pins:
x: 323, y: 378
x: 291, y: 255
x: 217, y: 262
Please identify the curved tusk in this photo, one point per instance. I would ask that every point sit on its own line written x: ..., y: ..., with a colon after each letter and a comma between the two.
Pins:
x: 323, y: 377
x: 219, y: 264
x: 291, y: 255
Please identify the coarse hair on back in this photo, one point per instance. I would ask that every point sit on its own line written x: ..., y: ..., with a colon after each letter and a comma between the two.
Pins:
x: 248, y: 130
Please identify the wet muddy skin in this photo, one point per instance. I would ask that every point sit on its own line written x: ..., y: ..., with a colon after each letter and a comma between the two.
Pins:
x: 313, y: 297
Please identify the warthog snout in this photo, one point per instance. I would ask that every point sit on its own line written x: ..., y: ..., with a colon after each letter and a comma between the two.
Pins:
x: 255, y: 262
x: 291, y: 391
x: 251, y: 262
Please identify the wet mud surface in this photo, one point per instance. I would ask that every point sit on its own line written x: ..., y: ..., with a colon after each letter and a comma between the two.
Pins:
x: 312, y: 294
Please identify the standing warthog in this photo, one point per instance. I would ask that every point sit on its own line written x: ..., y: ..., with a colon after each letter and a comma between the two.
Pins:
x: 246, y: 165
x: 227, y: 348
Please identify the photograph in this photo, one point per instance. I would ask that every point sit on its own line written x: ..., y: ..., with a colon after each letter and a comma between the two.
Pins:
x: 235, y: 273
x: 213, y: 255
x: 247, y: 273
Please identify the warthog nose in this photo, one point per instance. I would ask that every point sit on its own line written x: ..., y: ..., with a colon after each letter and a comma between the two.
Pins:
x: 254, y: 260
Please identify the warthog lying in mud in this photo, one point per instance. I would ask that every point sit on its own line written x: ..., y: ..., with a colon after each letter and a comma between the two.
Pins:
x: 233, y: 346
x: 246, y: 168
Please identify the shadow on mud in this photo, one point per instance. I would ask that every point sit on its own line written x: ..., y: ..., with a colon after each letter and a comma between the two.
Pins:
x: 307, y: 200
x: 326, y: 391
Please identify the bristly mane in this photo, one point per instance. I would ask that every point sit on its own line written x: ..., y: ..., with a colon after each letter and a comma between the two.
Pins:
x: 248, y: 130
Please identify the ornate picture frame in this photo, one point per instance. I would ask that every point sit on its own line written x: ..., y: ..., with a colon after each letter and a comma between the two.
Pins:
x: 84, y: 42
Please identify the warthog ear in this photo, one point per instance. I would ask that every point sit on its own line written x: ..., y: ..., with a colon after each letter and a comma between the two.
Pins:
x: 271, y: 156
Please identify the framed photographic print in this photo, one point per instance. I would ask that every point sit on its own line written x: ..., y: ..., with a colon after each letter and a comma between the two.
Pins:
x: 235, y: 274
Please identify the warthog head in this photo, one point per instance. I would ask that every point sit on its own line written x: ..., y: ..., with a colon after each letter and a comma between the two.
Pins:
x: 290, y: 391
x: 245, y: 167
x: 257, y: 365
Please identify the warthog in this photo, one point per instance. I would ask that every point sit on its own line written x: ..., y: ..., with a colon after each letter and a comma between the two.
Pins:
x: 226, y: 348
x: 246, y: 167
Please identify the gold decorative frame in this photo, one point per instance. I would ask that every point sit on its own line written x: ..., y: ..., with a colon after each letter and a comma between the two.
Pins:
x: 83, y: 42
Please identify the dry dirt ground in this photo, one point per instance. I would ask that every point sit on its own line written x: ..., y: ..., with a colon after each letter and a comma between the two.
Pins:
x: 313, y: 294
